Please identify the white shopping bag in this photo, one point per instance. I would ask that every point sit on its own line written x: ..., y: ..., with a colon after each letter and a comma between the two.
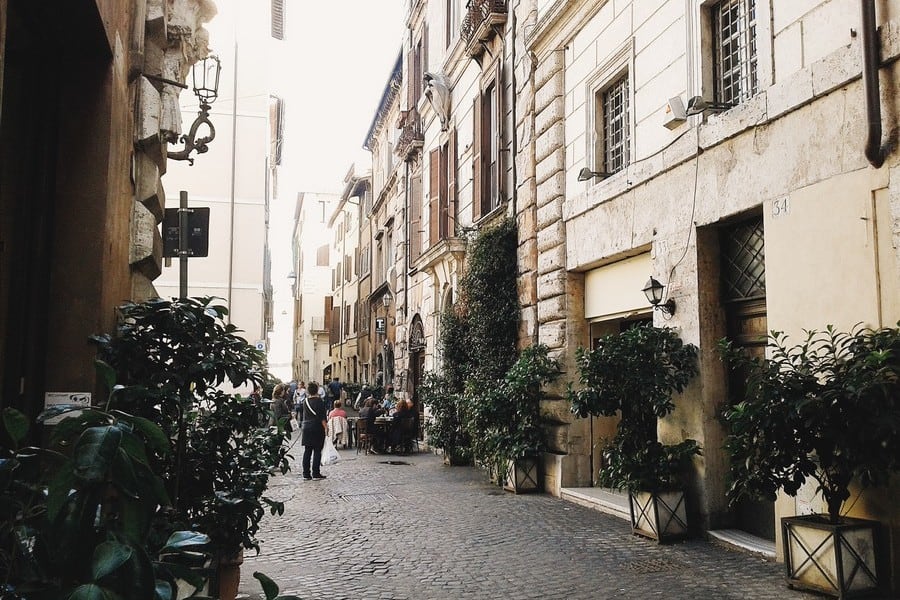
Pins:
x: 329, y: 453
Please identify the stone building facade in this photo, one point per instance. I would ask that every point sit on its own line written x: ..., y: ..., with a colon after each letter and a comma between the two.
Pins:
x: 723, y: 148
x: 88, y: 106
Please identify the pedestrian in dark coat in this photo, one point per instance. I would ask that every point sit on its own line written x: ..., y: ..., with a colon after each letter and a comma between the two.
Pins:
x: 313, y: 430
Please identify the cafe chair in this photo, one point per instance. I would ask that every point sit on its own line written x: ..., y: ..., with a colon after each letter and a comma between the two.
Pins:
x: 363, y: 439
x: 339, y: 431
x: 409, y: 435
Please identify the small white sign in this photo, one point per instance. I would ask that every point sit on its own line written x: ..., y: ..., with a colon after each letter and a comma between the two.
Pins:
x: 56, y: 398
x: 781, y: 207
x: 261, y: 345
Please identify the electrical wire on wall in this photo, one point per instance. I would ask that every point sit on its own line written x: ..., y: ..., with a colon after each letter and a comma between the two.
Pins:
x: 687, y: 242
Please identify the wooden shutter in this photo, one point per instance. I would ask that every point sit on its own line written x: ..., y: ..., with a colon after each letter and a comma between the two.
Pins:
x: 278, y: 19
x: 476, y: 159
x: 499, y: 173
x: 450, y: 205
x: 415, y: 215
x: 434, y: 200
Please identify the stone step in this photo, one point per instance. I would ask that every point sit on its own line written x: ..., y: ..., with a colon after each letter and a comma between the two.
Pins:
x: 612, y: 503
x: 743, y: 541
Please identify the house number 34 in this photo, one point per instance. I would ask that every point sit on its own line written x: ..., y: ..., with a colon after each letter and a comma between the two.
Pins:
x: 781, y: 207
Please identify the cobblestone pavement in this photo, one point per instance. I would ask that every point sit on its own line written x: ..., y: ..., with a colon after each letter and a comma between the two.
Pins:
x: 423, y: 530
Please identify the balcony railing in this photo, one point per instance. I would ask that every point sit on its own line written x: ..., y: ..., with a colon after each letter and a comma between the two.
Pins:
x: 411, y: 137
x: 477, y: 25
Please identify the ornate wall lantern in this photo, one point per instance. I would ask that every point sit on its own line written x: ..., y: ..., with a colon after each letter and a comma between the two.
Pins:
x: 205, y: 75
x: 654, y: 290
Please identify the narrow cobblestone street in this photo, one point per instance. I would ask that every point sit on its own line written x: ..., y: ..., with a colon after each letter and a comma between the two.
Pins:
x: 421, y: 530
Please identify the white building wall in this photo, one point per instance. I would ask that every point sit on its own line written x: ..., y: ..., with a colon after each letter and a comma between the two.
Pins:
x: 230, y: 178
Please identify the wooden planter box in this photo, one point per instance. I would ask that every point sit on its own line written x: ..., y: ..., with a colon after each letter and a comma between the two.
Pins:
x: 660, y: 516
x: 524, y: 475
x: 838, y: 559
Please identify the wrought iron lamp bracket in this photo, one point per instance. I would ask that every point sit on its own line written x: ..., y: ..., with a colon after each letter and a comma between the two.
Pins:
x: 191, y: 141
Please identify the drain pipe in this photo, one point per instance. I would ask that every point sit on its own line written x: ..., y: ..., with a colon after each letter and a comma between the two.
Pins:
x: 871, y: 59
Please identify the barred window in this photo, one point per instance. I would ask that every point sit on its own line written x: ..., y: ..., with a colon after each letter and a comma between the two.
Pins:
x: 615, y: 123
x: 734, y: 48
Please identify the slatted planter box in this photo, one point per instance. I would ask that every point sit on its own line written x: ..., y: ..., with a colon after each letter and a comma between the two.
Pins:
x: 660, y: 516
x: 838, y: 559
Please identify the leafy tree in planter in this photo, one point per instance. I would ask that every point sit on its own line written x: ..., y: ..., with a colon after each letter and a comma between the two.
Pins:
x: 445, y: 428
x: 827, y: 408
x: 171, y: 357
x: 443, y: 392
x: 634, y: 374
x: 76, y: 516
x: 509, y: 414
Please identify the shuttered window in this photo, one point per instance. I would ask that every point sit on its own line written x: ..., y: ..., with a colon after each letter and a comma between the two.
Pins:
x: 278, y: 19
x: 322, y: 256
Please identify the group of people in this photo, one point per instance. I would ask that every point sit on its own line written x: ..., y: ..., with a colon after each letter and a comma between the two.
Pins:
x: 398, y: 411
x: 313, y: 405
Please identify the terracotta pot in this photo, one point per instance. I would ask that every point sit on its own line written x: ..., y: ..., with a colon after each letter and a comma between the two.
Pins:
x: 228, y: 576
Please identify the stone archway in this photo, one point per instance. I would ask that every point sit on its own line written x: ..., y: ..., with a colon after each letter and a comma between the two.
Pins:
x: 416, y: 345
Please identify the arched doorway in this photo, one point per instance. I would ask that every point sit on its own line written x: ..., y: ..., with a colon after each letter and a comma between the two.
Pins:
x: 416, y: 345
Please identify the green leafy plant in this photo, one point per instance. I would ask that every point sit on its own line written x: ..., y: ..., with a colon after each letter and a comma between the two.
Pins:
x: 634, y: 374
x: 491, y: 301
x: 78, y: 515
x: 827, y: 408
x: 445, y: 427
x: 171, y: 357
x: 270, y: 588
x: 508, y: 416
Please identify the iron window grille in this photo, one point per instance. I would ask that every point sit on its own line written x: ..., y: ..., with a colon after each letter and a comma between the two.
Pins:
x: 616, y: 129
x: 734, y: 48
x: 743, y: 261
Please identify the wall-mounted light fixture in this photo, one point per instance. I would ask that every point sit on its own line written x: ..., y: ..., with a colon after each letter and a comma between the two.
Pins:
x: 585, y: 174
x: 654, y: 291
x: 697, y: 105
x: 205, y: 75
x: 387, y: 299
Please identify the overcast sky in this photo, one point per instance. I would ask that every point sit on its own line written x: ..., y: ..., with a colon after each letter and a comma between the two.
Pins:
x: 337, y: 60
x: 339, y: 57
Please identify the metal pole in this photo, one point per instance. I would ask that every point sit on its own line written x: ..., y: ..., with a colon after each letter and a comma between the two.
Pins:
x: 183, y: 250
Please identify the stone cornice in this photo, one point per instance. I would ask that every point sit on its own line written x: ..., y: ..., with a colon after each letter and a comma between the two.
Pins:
x: 560, y: 23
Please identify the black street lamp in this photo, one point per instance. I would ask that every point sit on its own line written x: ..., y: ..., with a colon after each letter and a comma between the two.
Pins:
x: 205, y: 75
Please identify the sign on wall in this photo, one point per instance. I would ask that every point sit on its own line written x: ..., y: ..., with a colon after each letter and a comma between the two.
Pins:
x: 57, y: 398
x: 380, y: 325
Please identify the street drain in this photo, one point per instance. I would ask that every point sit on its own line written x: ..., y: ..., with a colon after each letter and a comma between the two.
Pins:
x: 651, y: 565
x: 394, y: 462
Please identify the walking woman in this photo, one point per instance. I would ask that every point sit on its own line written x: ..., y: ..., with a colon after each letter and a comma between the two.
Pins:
x: 313, y: 429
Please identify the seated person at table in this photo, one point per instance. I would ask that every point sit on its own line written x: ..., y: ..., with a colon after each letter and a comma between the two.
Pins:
x: 368, y: 413
x: 404, y: 411
x: 338, y: 410
x: 389, y: 400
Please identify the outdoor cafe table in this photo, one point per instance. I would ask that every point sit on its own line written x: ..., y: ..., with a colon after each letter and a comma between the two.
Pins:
x: 383, y: 427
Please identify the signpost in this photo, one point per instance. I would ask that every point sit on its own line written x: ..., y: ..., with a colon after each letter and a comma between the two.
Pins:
x: 185, y: 234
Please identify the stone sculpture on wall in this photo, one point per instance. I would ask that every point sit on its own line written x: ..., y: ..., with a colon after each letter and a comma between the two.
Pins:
x: 437, y: 90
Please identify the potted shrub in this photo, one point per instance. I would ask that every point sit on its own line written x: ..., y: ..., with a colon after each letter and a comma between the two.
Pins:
x: 826, y: 409
x: 78, y: 515
x: 444, y: 426
x: 634, y: 375
x: 172, y: 356
x: 507, y: 417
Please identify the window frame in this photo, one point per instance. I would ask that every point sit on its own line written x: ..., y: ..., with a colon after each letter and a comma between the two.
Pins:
x: 701, y: 81
x: 746, y: 69
x: 619, y: 65
x: 488, y: 169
